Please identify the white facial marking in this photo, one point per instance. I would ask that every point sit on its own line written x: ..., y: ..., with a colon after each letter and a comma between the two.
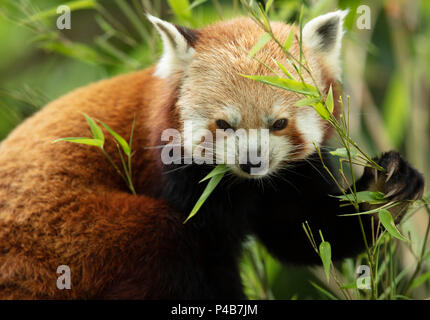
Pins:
x: 309, y: 124
x: 280, y: 149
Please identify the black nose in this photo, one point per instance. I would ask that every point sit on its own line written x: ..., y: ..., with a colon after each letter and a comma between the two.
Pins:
x: 246, y: 167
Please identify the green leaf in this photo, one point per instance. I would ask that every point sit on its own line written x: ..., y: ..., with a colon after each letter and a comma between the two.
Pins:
x: 268, y: 5
x: 97, y: 131
x: 343, y: 153
x: 284, y: 70
x: 307, y: 102
x: 262, y: 41
x: 196, y: 4
x: 87, y: 141
x: 219, y: 169
x: 181, y: 8
x: 352, y: 285
x: 264, y: 17
x: 321, y: 110
x: 289, y: 41
x: 325, y: 254
x: 206, y: 193
x: 294, y: 67
x: 329, y: 101
x: 124, y: 145
x: 77, y: 51
x: 420, y: 280
x: 73, y: 5
x: 130, y: 142
x: 388, y: 223
x: 286, y: 84
x: 370, y: 197
x: 324, y: 291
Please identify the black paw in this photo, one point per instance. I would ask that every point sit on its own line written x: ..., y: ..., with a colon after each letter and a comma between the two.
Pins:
x: 400, y: 181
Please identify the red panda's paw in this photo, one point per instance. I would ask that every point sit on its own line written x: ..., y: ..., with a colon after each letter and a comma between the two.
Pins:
x: 400, y: 182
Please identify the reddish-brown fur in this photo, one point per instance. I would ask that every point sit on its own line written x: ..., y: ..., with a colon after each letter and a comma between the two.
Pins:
x: 64, y: 204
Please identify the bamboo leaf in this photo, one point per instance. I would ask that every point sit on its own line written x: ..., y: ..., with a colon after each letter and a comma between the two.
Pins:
x: 370, y: 197
x: 196, y: 4
x: 307, y: 102
x: 324, y: 291
x: 321, y: 110
x: 286, y: 84
x: 219, y: 169
x: 73, y: 5
x: 420, y: 280
x: 343, y: 153
x: 262, y: 41
x: 325, y: 254
x: 268, y: 5
x: 181, y: 8
x: 329, y: 101
x: 77, y: 51
x: 130, y: 142
x: 289, y: 41
x: 284, y: 70
x: 388, y: 223
x: 352, y: 285
x: 86, y: 141
x: 124, y: 145
x: 97, y: 131
x: 213, y: 182
x: 264, y: 17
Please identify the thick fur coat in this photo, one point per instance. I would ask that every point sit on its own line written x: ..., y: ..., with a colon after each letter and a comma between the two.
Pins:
x: 64, y: 204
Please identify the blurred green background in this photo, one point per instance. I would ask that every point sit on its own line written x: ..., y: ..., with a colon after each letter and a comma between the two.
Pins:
x: 386, y: 74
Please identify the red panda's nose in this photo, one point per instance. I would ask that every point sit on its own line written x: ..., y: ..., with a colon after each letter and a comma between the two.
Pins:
x: 246, y: 167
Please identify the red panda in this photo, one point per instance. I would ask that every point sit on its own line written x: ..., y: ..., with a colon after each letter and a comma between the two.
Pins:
x: 64, y: 204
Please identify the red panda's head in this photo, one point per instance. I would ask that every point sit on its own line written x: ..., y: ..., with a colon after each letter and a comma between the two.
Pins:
x: 207, y: 66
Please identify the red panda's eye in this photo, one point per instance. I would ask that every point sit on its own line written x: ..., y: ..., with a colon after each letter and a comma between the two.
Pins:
x: 279, y: 124
x: 224, y: 125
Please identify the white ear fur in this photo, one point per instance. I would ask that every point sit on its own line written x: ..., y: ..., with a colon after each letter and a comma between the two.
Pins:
x: 177, y: 51
x: 323, y: 36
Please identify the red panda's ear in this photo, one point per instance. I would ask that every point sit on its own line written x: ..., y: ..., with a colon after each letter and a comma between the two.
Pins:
x: 178, y: 48
x: 323, y: 37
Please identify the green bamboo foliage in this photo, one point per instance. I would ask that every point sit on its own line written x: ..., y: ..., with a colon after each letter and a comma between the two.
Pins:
x: 350, y: 153
x: 127, y: 42
x: 98, y: 140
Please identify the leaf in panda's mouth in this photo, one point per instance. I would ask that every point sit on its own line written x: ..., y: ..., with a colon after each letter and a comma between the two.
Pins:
x: 215, y: 177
